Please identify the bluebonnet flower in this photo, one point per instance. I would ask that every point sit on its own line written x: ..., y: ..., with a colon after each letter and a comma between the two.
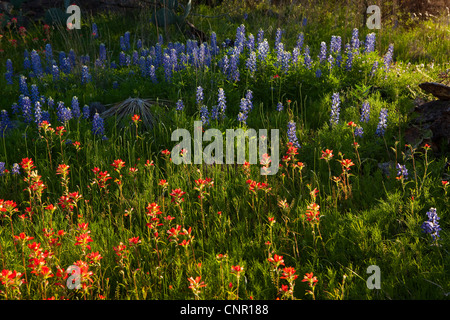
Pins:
x: 224, y: 64
x: 307, y: 58
x: 85, y: 59
x: 295, y: 55
x: 26, y: 109
x: 122, y: 59
x: 285, y: 61
x: 36, y: 64
x: 143, y: 66
x: 167, y: 67
x: 249, y: 98
x: 213, y: 44
x: 115, y: 85
x: 292, y: 133
x: 9, y: 77
x: 85, y: 76
x: 280, y: 107
x: 15, y: 169
x: 359, y: 131
x: 402, y: 171
x: 15, y: 107
x: 204, y: 115
x: 26, y: 63
x: 349, y: 61
x: 102, y: 52
x: 2, y: 168
x: 263, y: 50
x: 382, y: 124
x: 37, y: 113
x: 304, y: 21
x: 61, y: 57
x: 221, y: 102
x: 355, y: 39
x: 365, y: 112
x: 113, y: 65
x: 387, y: 59
x: 279, y: 49
x: 180, y: 105
x: 335, y: 44
x: 234, y: 70
x: 139, y: 44
x: 331, y: 61
x: 240, y: 38
x: 34, y: 93
x: 260, y: 36
x: 374, y: 68
x: 48, y: 57
x: 123, y: 46
x: 431, y: 226
x: 251, y: 63
x: 250, y: 44
x: 318, y: 73
x: 215, y: 113
x: 99, y: 63
x: 160, y: 39
x: 64, y: 114
x: 369, y: 45
x: 199, y: 95
x: 55, y: 73
x: 300, y: 40
x: 66, y: 66
x: 76, y: 112
x: 338, y: 60
x: 9, y: 71
x: 127, y: 40
x: 50, y: 103
x: 98, y: 128
x: 335, y: 109
x: 278, y: 36
x: 26, y: 60
x: 86, y: 112
x: 95, y: 34
x: 243, y: 114
x: 45, y: 116
x: 23, y: 85
x: 152, y: 73
x: 323, y: 51
x: 135, y: 58
x: 5, y: 123
x: 72, y: 57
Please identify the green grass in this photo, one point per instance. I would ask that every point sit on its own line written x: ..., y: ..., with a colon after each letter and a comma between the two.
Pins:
x: 376, y: 222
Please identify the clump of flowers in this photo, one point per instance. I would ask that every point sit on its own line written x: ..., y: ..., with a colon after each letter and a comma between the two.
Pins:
x: 431, y: 226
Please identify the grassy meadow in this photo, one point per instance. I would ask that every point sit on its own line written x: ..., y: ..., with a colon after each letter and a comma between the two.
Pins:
x: 99, y: 199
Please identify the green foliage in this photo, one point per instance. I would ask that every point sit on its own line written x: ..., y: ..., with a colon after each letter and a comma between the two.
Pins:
x: 377, y: 222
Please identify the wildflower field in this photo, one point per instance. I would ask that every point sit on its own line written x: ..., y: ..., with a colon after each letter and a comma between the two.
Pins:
x: 93, y: 205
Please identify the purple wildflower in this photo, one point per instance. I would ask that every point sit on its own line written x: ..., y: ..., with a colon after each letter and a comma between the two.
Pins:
x: 180, y: 105
x: 199, y: 96
x: 402, y: 171
x: 292, y: 133
x: 335, y: 109
x: 98, y: 128
x: 280, y: 107
x: 365, y: 112
x: 382, y: 124
x: 221, y: 102
x: 431, y: 226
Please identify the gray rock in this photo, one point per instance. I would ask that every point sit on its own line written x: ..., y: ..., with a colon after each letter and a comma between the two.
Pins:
x: 439, y: 90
